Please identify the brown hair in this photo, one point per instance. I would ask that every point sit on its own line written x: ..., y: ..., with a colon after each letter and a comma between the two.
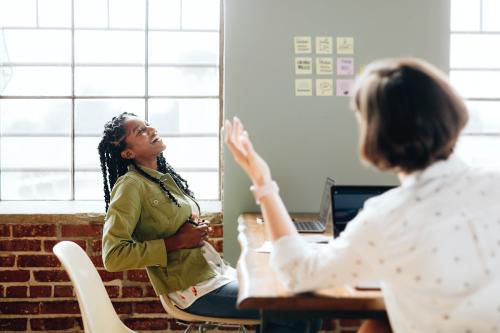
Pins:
x: 410, y: 115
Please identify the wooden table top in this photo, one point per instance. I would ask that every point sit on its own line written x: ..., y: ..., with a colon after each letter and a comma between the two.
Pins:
x: 261, y: 289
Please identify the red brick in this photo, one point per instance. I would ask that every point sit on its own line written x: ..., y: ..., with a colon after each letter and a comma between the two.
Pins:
x: 13, y: 324
x: 63, y: 291
x: 20, y: 245
x: 328, y: 324
x: 350, y: 322
x: 51, y: 276
x: 52, y: 324
x: 97, y: 245
x: 48, y: 245
x: 150, y: 292
x: 217, y: 231
x: 40, y: 291
x: 7, y: 261
x: 217, y: 244
x: 110, y: 276
x: 37, y: 261
x: 147, y: 324
x: 16, y: 292
x: 1, y: 290
x: 19, y: 307
x: 139, y: 275
x: 113, y: 291
x: 149, y: 307
x: 97, y: 261
x: 81, y: 230
x: 122, y: 307
x: 131, y: 292
x: 34, y: 230
x: 59, y: 307
x: 4, y: 230
x: 15, y: 276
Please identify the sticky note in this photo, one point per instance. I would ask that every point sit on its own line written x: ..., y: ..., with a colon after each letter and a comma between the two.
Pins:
x: 324, y: 66
x: 345, y: 66
x: 324, y: 87
x: 302, y: 44
x: 303, y: 87
x: 344, y: 87
x: 324, y: 45
x: 303, y: 65
x: 345, y: 45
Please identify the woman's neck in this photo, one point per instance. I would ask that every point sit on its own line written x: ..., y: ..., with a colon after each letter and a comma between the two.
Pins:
x: 152, y: 164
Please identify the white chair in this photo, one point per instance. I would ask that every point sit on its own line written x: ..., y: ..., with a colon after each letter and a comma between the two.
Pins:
x: 204, y: 322
x: 98, y: 313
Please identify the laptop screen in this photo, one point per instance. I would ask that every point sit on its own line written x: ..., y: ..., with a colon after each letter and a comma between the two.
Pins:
x: 348, y: 200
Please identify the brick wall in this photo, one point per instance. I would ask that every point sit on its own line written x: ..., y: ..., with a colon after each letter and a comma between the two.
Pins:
x: 36, y: 293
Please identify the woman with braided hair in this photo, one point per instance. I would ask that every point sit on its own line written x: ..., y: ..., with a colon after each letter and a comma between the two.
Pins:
x: 152, y: 222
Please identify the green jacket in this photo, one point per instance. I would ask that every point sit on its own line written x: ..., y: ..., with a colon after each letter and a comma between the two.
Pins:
x: 139, y: 217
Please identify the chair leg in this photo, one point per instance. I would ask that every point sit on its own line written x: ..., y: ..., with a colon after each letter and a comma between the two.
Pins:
x: 189, y: 328
x: 242, y: 329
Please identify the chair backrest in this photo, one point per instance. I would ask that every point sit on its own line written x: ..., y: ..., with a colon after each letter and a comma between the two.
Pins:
x: 98, y: 313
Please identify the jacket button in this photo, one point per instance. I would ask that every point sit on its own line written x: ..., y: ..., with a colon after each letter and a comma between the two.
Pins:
x: 155, y: 202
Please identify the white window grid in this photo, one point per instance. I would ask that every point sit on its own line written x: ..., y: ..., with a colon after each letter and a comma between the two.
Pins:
x: 146, y: 97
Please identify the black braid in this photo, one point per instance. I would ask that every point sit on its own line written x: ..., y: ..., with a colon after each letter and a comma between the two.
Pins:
x: 114, y: 166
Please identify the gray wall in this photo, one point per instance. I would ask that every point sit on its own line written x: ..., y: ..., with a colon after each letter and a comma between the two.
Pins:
x: 305, y: 139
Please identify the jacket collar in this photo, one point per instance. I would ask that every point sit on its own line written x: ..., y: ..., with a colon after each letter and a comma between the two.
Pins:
x: 153, y: 173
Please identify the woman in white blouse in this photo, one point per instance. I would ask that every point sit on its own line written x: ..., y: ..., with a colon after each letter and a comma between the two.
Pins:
x: 434, y: 241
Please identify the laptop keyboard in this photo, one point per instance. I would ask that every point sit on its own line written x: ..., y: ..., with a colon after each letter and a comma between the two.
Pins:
x: 308, y: 226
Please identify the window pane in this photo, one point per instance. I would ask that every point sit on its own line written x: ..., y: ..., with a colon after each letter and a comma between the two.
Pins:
x: 35, y: 153
x: 39, y: 81
x: 465, y: 15
x: 480, y: 150
x: 86, y: 155
x: 127, y: 13
x: 35, y: 116
x: 476, y: 84
x: 192, y: 152
x: 109, y: 81
x: 184, y: 47
x: 484, y: 117
x: 92, y: 114
x: 184, y: 115
x: 91, y: 13
x: 54, y: 13
x: 39, y: 46
x: 109, y: 47
x: 17, y: 13
x: 164, y: 14
x: 183, y: 81
x: 475, y: 51
x: 200, y: 14
x: 491, y: 15
x: 205, y: 185
x: 89, y: 186
x: 35, y: 185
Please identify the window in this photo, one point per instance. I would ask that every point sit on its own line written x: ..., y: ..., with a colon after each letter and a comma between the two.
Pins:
x: 475, y: 72
x: 68, y: 66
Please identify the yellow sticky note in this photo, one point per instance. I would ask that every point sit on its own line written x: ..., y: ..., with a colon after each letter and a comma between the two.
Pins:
x: 324, y: 66
x: 303, y: 65
x: 324, y: 45
x: 303, y: 87
x: 345, y: 45
x: 324, y: 87
x: 302, y: 44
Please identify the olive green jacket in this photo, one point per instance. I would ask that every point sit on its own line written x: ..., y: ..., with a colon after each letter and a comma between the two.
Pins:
x: 140, y: 216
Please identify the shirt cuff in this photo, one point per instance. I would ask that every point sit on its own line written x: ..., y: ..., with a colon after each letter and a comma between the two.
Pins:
x: 286, y: 249
x: 158, y: 252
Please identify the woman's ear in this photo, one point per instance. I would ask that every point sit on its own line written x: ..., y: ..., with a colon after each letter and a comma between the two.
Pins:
x: 127, y: 154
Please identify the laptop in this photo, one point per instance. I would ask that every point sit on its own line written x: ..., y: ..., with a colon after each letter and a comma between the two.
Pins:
x: 324, y: 212
x: 347, y: 201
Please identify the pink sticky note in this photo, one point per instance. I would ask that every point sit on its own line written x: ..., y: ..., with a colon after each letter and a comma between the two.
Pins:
x: 344, y: 87
x: 345, y: 66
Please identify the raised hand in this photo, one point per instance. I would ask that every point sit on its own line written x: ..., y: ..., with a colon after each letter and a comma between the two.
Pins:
x: 241, y: 147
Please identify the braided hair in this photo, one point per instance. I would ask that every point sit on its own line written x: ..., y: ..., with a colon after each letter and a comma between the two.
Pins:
x: 113, y: 165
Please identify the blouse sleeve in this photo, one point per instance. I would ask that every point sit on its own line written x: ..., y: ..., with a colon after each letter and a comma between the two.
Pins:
x: 119, y: 251
x: 345, y: 260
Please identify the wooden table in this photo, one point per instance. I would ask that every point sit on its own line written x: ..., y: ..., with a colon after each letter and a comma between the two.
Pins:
x: 259, y: 287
